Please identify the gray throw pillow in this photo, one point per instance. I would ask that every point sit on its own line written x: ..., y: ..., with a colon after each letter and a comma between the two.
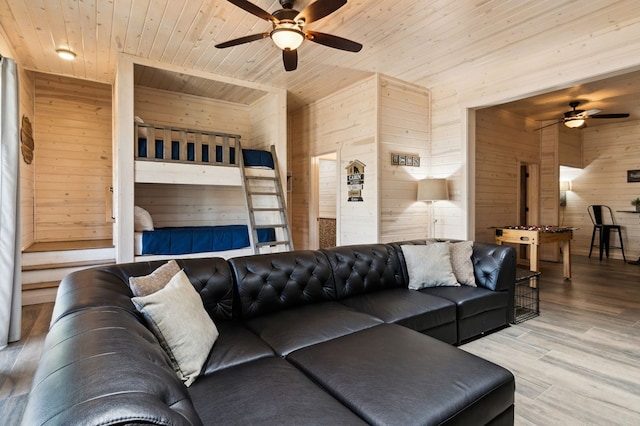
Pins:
x: 461, y: 263
x: 147, y: 284
x: 177, y: 317
x: 429, y: 265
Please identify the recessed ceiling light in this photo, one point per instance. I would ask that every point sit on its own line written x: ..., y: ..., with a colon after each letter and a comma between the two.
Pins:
x: 66, y: 54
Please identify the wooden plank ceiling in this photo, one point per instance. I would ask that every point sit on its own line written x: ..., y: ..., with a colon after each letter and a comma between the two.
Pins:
x: 426, y: 42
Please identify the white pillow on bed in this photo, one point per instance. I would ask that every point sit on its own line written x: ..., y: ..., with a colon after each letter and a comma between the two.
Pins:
x: 142, y: 220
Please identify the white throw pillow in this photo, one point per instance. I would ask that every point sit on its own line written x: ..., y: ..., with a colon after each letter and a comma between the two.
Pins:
x: 461, y: 263
x: 429, y: 265
x: 177, y: 317
x: 142, y: 220
x: 157, y: 280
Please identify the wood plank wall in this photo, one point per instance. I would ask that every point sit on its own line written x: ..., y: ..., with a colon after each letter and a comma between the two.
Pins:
x: 73, y: 166
x: 27, y: 171
x: 327, y: 188
x: 191, y: 112
x: 504, y: 141
x: 397, y: 121
x: 550, y: 185
x: 333, y: 124
x: 193, y: 205
x: 404, y: 128
x: 608, y: 152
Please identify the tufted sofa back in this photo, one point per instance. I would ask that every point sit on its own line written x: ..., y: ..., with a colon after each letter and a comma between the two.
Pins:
x: 364, y: 268
x: 271, y: 282
x: 250, y: 286
x: 108, y: 286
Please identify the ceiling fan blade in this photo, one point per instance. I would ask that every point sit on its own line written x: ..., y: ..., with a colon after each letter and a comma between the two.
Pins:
x: 242, y: 40
x: 290, y: 59
x: 610, y: 116
x: 319, y: 9
x: 591, y: 112
x: 549, y: 125
x: 333, y: 41
x: 254, y: 10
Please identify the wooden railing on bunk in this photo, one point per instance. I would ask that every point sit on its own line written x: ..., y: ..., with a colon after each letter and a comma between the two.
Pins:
x: 172, y: 144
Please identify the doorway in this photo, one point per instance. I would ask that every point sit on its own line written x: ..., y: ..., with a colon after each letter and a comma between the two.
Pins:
x: 325, y: 201
x: 528, y: 200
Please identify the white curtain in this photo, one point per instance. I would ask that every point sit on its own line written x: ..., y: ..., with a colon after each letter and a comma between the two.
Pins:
x: 10, y: 252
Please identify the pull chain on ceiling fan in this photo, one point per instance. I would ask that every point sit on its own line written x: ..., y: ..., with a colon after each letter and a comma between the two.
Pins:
x: 288, y: 30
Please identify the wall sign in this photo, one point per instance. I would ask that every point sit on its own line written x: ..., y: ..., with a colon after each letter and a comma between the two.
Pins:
x: 633, y: 175
x: 355, y: 180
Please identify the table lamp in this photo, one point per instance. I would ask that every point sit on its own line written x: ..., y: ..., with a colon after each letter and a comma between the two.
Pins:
x: 432, y: 190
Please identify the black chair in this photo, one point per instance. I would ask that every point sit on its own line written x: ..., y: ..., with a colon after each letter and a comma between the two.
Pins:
x: 603, y: 222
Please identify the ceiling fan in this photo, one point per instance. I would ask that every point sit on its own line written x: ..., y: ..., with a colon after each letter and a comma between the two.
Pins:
x: 577, y: 118
x: 288, y: 30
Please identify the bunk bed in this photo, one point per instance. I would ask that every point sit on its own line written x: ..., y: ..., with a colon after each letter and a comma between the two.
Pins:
x: 170, y: 155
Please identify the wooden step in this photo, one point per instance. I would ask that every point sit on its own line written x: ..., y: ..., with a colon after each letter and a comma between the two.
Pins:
x: 87, y: 263
x: 68, y: 245
x: 40, y: 286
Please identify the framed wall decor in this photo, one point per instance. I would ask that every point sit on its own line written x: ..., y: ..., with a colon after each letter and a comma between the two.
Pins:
x: 404, y: 159
x: 633, y: 175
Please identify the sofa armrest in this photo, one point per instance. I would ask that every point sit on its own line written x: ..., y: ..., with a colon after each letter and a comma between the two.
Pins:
x: 494, y: 266
x: 101, y: 365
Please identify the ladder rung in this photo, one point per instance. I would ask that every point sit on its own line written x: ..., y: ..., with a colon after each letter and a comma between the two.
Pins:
x: 273, y: 243
x: 277, y: 225
x: 263, y: 193
x: 268, y: 209
x: 261, y: 177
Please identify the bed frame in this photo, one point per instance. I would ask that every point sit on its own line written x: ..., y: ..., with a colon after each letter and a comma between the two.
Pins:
x: 170, y: 155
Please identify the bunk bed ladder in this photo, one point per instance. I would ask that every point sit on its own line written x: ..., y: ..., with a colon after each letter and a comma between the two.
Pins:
x: 265, y: 199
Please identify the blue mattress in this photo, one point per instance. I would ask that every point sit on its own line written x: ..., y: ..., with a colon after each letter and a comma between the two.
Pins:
x: 200, y: 239
x: 251, y: 157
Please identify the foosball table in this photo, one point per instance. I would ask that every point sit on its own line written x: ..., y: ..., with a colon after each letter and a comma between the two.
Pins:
x: 533, y: 236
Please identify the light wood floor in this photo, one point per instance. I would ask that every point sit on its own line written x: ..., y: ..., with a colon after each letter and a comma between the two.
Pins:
x: 578, y: 363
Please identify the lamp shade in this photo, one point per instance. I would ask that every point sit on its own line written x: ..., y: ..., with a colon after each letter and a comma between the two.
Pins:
x: 432, y: 190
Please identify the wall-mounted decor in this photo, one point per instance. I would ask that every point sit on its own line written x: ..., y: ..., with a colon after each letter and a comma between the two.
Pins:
x: 355, y: 180
x: 26, y: 139
x: 633, y: 175
x: 403, y: 159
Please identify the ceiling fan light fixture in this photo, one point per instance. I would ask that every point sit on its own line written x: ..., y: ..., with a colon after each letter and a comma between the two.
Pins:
x: 287, y: 36
x: 574, y: 123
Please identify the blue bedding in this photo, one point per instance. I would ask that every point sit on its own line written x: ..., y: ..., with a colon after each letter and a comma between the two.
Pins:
x: 251, y: 157
x: 200, y: 239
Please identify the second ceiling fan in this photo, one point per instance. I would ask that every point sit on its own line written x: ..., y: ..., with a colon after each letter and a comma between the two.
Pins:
x: 288, y: 30
x: 576, y: 118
